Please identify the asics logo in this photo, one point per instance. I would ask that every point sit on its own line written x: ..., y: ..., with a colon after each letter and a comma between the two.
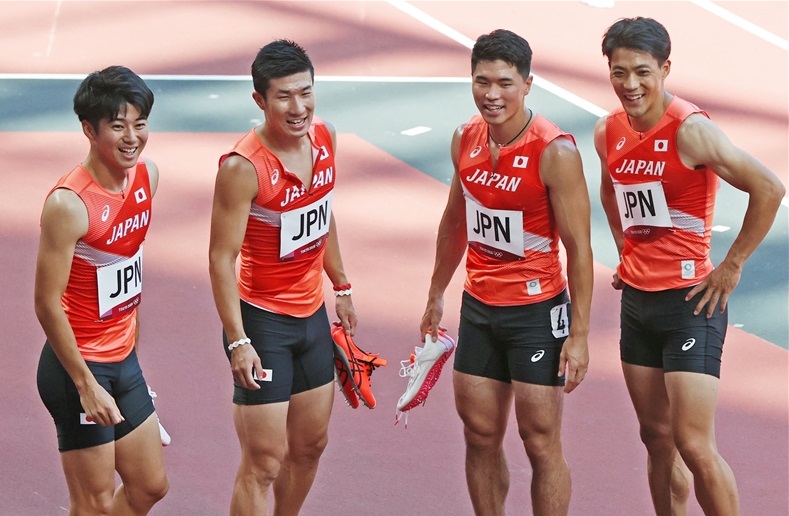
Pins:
x: 475, y: 152
x: 688, y: 344
x: 105, y: 214
x: 621, y: 143
x: 537, y: 356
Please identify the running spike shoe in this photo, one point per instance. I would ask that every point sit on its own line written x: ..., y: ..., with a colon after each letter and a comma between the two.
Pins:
x: 354, y: 368
x: 344, y: 380
x: 163, y: 435
x: 422, y: 370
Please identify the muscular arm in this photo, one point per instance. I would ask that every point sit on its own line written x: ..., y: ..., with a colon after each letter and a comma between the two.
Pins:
x: 561, y: 171
x: 608, y: 196
x: 450, y: 247
x: 153, y: 179
x: 153, y: 175
x: 64, y: 221
x: 234, y: 189
x: 332, y: 264
x: 701, y: 142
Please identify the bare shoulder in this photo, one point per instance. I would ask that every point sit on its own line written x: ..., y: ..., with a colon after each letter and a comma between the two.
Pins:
x: 330, y: 127
x: 332, y: 133
x: 65, y: 213
x: 236, y: 180
x: 560, y: 161
x: 599, y: 137
x: 454, y: 149
x: 560, y: 148
x: 599, y: 128
x: 153, y: 174
x: 697, y: 126
x: 236, y: 165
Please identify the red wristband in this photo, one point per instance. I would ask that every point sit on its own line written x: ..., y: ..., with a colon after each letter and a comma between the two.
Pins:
x: 338, y: 288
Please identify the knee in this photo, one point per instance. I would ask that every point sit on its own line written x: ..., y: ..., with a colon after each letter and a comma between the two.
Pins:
x: 697, y: 452
x: 158, y: 490
x: 658, y: 439
x: 97, y: 503
x: 482, y: 435
x: 260, y: 467
x: 144, y: 496
x: 542, y: 445
x: 308, y: 451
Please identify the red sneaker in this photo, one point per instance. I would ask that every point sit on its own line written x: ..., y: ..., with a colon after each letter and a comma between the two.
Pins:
x: 343, y: 376
x: 354, y: 368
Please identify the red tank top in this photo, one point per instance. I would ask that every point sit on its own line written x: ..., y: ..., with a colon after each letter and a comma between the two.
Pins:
x: 105, y: 283
x: 513, y: 253
x: 282, y: 252
x: 665, y: 207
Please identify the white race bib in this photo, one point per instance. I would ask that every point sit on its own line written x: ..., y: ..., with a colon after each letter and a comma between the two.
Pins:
x: 560, y: 320
x: 302, y: 226
x: 119, y: 286
x: 643, y: 210
x: 496, y: 229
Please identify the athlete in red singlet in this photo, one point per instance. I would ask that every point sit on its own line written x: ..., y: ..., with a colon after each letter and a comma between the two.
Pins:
x: 661, y: 159
x: 88, y: 287
x: 273, y: 207
x: 518, y: 189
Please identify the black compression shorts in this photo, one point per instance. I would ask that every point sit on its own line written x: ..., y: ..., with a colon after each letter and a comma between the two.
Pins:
x: 659, y: 330
x: 297, y: 354
x: 505, y: 343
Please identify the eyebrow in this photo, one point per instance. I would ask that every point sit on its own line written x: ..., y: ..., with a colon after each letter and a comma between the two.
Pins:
x: 622, y: 67
x: 119, y: 119
x: 493, y: 79
x: 294, y: 90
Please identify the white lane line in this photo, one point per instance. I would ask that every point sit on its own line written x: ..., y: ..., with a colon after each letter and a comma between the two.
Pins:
x: 467, y: 42
x: 53, y: 29
x: 742, y: 23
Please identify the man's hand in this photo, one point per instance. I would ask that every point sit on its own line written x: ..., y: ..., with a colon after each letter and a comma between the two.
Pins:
x: 717, y: 288
x: 346, y: 313
x: 574, y: 362
x: 243, y: 360
x: 99, y: 406
x: 432, y: 318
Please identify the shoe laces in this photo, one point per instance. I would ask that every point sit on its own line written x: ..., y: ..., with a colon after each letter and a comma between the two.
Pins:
x: 408, y: 367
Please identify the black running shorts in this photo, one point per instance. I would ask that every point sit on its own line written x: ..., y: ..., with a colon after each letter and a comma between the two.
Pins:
x: 297, y: 354
x: 506, y: 343
x: 123, y: 380
x: 659, y: 330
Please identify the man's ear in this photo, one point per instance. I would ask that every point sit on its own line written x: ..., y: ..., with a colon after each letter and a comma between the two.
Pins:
x: 666, y: 68
x: 88, y: 130
x: 259, y: 99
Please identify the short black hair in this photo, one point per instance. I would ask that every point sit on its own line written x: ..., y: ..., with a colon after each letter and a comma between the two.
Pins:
x: 503, y: 45
x: 280, y: 58
x: 644, y: 34
x: 102, y: 95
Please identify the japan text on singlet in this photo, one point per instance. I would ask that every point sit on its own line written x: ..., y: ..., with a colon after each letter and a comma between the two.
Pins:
x: 105, y: 283
x: 665, y: 207
x: 282, y: 252
x: 513, y: 256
